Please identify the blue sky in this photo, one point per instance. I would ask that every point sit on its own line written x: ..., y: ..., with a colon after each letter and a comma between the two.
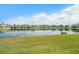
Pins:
x: 11, y: 12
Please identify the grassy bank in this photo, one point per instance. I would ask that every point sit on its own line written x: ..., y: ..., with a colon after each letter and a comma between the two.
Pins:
x: 41, y: 44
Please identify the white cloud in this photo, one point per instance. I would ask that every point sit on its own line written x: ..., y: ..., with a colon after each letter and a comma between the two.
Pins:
x: 18, y: 20
x: 68, y: 15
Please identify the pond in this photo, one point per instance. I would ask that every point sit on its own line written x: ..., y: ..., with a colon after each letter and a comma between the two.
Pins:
x: 33, y: 33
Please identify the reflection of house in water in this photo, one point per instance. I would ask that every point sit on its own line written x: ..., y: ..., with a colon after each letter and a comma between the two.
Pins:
x: 3, y: 27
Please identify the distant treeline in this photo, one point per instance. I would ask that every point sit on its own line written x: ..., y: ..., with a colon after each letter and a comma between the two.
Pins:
x: 38, y: 27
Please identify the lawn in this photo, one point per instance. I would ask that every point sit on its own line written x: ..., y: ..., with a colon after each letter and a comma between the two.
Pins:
x: 52, y: 44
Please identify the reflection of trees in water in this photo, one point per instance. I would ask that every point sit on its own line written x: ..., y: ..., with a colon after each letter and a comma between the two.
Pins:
x: 60, y: 27
x: 75, y: 28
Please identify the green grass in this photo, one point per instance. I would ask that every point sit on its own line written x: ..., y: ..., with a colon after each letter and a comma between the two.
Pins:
x: 52, y: 44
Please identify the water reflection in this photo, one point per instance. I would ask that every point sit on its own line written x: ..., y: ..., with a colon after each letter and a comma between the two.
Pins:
x: 35, y: 33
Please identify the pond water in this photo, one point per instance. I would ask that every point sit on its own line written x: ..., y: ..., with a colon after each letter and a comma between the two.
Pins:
x: 33, y: 33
